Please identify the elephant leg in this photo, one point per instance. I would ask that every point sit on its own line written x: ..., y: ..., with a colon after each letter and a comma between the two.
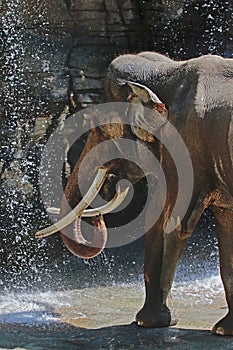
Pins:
x: 162, y: 253
x: 159, y: 270
x: 224, y: 229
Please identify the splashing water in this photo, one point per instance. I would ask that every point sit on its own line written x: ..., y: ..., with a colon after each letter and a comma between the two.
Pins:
x: 99, y: 307
x: 26, y: 94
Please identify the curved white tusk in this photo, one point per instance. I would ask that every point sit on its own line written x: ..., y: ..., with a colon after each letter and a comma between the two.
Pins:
x: 80, y: 207
x: 113, y: 204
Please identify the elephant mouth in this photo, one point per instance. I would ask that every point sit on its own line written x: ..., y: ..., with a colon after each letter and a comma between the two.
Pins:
x: 76, y: 242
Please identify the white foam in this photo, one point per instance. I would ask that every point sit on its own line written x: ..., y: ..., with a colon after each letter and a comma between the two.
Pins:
x: 51, y: 307
x: 25, y: 308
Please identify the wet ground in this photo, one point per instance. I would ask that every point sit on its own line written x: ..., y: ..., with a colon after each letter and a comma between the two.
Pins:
x: 122, y: 337
x: 102, y: 318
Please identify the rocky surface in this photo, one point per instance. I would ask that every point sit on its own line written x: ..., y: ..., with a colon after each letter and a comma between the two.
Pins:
x: 118, y: 337
x: 56, y: 52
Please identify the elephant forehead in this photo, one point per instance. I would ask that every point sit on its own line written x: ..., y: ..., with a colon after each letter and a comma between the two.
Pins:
x: 113, y: 130
x: 112, y: 126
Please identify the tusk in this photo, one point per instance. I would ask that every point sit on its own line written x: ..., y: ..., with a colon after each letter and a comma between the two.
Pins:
x: 80, y: 207
x: 53, y: 210
x: 113, y: 204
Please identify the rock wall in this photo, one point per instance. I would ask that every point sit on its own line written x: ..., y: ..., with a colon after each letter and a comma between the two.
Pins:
x: 57, y: 51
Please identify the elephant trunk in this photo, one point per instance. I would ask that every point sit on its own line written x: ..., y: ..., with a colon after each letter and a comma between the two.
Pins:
x: 74, y: 203
x: 69, y: 224
x: 80, y: 181
x: 79, y: 246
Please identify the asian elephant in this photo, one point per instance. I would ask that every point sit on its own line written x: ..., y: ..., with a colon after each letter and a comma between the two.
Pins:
x: 196, y: 97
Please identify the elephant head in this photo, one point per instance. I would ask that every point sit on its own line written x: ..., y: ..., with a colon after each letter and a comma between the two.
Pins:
x: 90, y: 174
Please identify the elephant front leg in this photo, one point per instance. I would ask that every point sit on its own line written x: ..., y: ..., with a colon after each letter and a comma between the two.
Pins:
x: 161, y: 257
x: 162, y: 252
x: 224, y: 228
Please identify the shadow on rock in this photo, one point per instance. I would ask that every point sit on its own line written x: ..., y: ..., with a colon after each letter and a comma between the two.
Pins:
x: 64, y: 337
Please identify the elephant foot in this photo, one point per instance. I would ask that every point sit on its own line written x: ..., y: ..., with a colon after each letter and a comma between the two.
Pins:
x: 157, y: 318
x: 224, y: 326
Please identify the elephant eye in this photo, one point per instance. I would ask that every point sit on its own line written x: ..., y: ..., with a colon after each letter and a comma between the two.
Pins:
x: 131, y: 96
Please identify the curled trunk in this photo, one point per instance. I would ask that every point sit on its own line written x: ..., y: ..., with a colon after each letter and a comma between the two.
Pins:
x: 74, y: 203
x: 78, y: 245
x: 71, y: 234
x: 72, y: 208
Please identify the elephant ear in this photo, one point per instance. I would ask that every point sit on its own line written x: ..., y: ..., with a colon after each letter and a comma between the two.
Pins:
x: 146, y: 96
x: 145, y: 122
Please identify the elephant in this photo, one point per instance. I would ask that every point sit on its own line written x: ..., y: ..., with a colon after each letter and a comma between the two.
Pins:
x: 195, y: 97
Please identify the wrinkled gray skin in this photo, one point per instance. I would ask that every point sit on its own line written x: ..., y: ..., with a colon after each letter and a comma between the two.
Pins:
x: 198, y: 94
